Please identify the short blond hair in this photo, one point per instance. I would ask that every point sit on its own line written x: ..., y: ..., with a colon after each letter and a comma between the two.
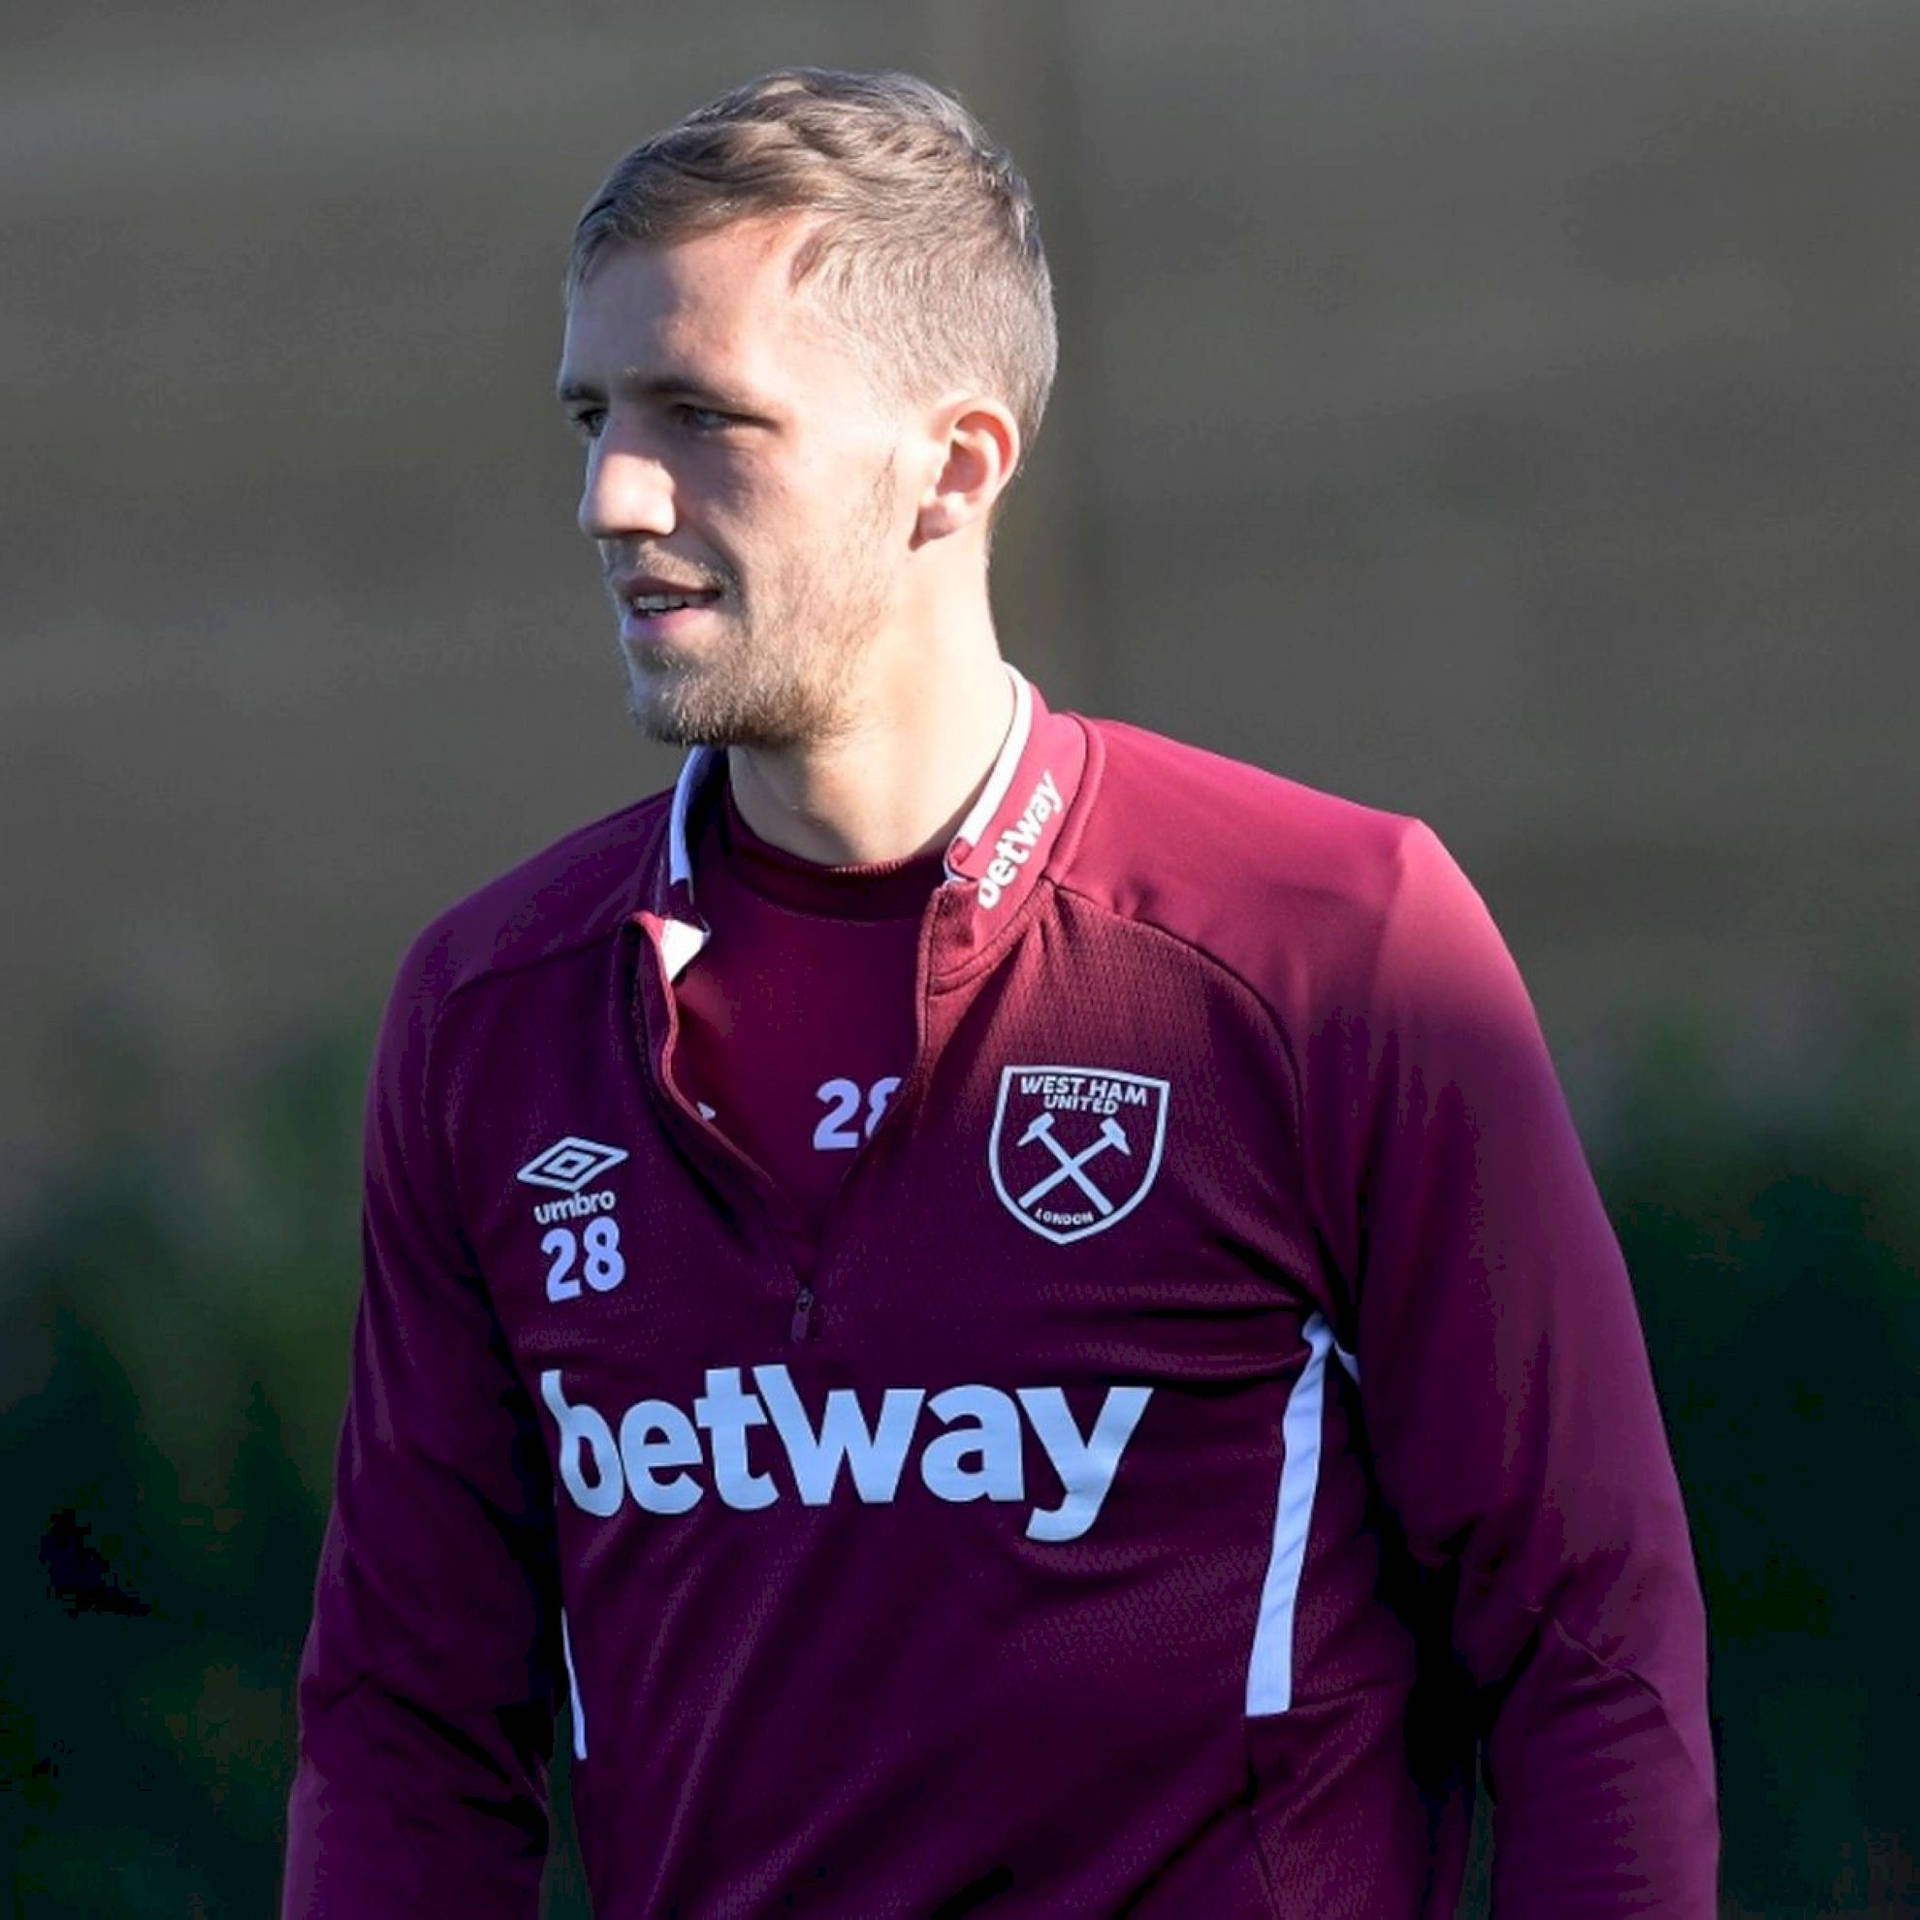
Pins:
x: 927, y: 243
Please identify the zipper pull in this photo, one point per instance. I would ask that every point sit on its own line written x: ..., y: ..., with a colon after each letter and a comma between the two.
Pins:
x: 802, y: 1312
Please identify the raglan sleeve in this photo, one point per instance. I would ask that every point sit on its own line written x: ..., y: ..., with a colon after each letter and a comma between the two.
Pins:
x: 1510, y: 1411
x: 426, y: 1691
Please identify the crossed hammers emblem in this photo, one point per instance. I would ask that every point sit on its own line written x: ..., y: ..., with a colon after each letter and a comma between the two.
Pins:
x: 1072, y: 1166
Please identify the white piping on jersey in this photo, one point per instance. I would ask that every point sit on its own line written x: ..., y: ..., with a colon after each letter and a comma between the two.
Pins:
x: 1270, y: 1669
x: 1351, y: 1361
x: 573, y: 1691
x: 1004, y: 768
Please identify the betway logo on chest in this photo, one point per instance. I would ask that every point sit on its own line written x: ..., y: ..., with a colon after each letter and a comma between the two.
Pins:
x: 965, y: 1442
x: 1016, y: 843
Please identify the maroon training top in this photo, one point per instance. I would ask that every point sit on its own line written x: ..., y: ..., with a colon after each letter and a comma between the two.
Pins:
x: 1213, y: 1402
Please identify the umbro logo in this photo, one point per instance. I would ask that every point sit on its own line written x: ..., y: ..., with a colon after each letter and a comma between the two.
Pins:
x: 570, y: 1164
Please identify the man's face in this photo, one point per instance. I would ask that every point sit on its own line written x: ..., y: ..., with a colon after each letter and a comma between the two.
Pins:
x: 741, y: 486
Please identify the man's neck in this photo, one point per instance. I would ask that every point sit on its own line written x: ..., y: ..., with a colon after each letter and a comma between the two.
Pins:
x: 898, y: 780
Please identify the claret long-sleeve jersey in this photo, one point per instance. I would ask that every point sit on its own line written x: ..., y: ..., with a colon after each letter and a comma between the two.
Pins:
x: 1211, y: 1410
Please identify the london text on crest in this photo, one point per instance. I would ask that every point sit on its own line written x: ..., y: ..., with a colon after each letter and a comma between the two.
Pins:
x: 1074, y: 1149
x: 570, y: 1163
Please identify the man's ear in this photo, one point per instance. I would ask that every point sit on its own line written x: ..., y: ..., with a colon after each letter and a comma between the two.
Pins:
x: 976, y: 447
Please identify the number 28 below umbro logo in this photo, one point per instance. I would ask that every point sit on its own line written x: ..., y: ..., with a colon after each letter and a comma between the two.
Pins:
x: 594, y: 1255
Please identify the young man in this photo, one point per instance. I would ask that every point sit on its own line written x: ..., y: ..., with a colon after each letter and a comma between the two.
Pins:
x: 1011, y: 1308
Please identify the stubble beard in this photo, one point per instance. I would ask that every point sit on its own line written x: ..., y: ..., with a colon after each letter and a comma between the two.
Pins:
x: 783, y: 678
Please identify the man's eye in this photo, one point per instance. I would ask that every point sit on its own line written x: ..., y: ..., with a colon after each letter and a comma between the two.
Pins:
x: 703, y: 419
x: 588, y: 422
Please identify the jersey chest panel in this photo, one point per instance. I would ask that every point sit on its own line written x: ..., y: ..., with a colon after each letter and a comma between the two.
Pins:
x: 1092, y: 1175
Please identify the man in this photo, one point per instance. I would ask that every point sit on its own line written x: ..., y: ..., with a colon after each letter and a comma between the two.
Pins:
x: 1011, y: 1308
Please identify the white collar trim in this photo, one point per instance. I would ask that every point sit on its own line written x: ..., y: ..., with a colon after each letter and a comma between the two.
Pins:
x: 1001, y: 778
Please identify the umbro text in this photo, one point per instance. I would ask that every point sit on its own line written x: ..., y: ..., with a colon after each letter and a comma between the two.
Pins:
x: 576, y: 1206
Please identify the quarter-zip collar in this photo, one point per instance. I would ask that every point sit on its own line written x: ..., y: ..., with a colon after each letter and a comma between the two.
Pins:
x: 993, y: 862
x: 1007, y: 841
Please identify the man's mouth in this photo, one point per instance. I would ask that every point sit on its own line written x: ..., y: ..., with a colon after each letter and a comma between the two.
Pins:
x: 651, y: 608
x: 647, y: 605
x: 666, y: 632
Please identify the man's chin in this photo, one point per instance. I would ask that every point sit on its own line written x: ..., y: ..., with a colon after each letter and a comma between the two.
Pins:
x: 692, y: 709
x: 662, y: 708
x: 661, y: 721
x: 669, y: 715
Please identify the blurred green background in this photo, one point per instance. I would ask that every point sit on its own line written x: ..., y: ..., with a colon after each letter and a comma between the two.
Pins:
x: 1499, y: 410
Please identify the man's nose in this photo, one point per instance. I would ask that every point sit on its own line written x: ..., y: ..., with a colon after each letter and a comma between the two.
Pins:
x: 627, y: 491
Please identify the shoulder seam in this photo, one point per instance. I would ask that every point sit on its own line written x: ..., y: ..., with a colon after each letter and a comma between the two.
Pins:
x: 507, y: 969
x: 498, y: 969
x: 1213, y: 960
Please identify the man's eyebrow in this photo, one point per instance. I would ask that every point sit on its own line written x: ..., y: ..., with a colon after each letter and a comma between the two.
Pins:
x: 667, y: 385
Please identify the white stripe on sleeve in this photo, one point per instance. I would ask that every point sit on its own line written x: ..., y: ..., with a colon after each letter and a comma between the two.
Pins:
x: 573, y: 1691
x: 1270, y: 1670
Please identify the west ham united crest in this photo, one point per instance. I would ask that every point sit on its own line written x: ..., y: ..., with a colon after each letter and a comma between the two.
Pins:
x: 1074, y: 1149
